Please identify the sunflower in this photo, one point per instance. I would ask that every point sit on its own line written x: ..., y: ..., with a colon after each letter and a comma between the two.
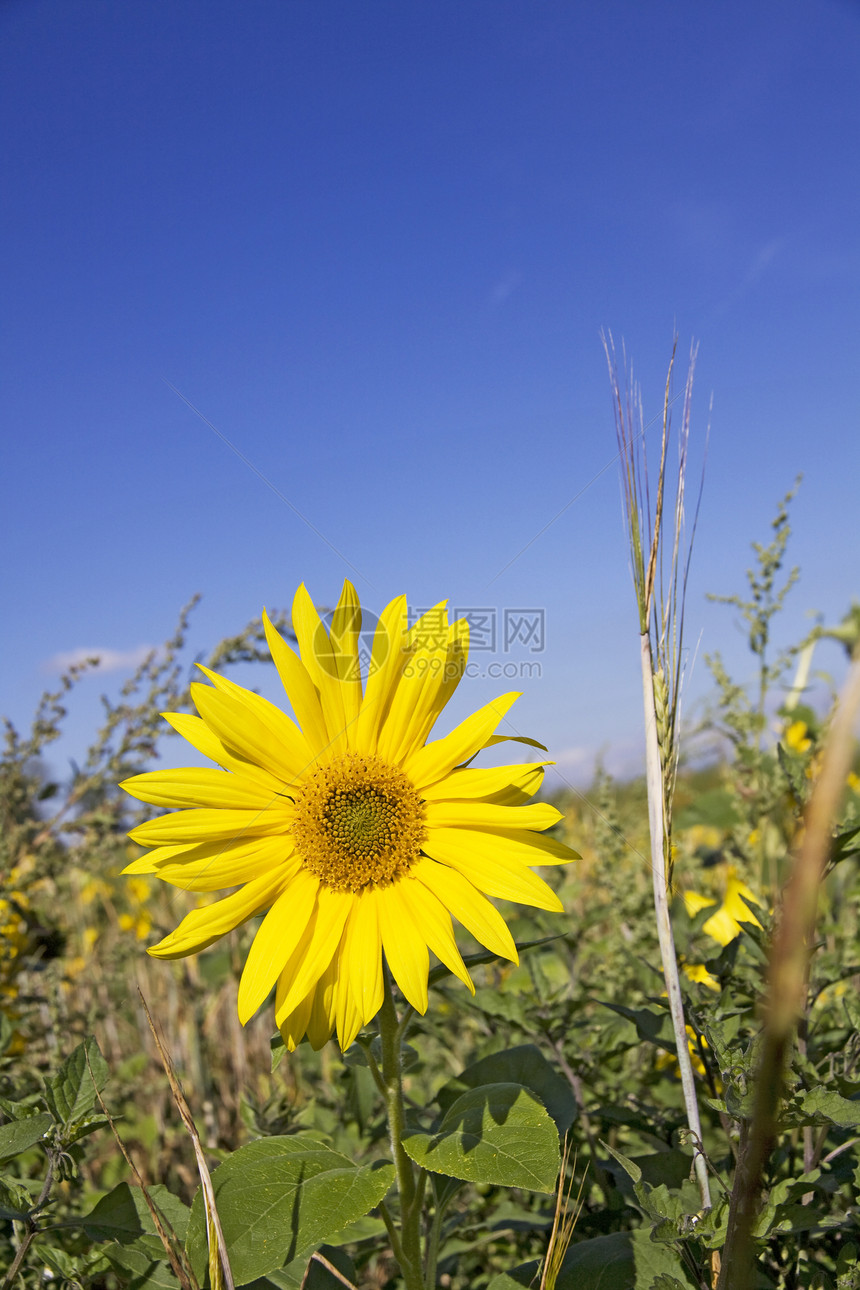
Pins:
x: 357, y: 836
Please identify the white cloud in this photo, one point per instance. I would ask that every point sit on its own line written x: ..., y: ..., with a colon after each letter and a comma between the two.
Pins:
x: 575, y: 766
x: 110, y: 660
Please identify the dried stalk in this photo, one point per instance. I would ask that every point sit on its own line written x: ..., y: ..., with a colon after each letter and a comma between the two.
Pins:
x: 660, y: 602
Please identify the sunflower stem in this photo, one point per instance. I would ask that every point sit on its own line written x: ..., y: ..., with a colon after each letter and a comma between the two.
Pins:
x: 411, y: 1195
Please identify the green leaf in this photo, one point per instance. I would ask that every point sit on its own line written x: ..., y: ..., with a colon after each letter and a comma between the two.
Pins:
x: 506, y: 1281
x: 71, y: 1093
x: 308, y: 1273
x: 73, y: 1267
x: 629, y: 1166
x: 525, y: 1065
x: 669, y: 1166
x: 123, y: 1215
x: 848, y: 1268
x: 20, y: 1135
x: 497, y: 1133
x: 619, y: 1261
x: 845, y: 844
x: 825, y: 1107
x: 140, y: 1269
x: 654, y: 1024
x: 279, y: 1199
x: 14, y: 1215
x: 716, y: 807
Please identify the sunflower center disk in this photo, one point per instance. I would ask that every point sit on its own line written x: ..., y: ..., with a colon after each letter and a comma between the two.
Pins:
x: 358, y: 822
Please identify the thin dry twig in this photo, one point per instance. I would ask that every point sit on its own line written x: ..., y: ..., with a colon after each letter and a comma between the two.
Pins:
x: 563, y: 1223
x: 220, y: 1273
x: 316, y: 1257
x: 177, y: 1257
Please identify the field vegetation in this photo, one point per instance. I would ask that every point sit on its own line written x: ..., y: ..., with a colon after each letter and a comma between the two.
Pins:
x: 99, y: 1179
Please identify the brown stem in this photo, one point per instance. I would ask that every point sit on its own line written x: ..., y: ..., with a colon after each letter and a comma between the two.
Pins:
x: 787, y: 987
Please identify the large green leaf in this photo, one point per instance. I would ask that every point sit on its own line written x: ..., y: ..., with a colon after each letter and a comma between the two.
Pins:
x: 497, y: 1133
x: 71, y: 1093
x: 134, y: 1248
x: 123, y: 1215
x: 525, y: 1065
x: 619, y: 1261
x: 20, y: 1135
x: 824, y: 1106
x: 279, y: 1199
x: 140, y: 1269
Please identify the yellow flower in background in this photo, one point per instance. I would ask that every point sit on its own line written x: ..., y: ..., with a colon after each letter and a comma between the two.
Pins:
x: 95, y: 889
x: 797, y: 737
x: 698, y: 972
x: 666, y: 1060
x: 357, y: 836
x: 694, y: 901
x: 725, y: 924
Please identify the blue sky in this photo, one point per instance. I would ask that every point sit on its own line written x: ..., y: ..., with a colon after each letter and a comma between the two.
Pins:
x: 374, y: 244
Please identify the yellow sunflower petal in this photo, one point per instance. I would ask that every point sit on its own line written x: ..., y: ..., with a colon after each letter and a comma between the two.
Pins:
x: 281, y: 726
x: 277, y: 937
x: 432, y: 917
x: 203, y: 926
x: 404, y: 945
x: 362, y: 958
x: 315, y: 949
x: 451, y: 663
x: 468, y: 906
x: 321, y: 1022
x: 516, y: 844
x: 348, y: 1017
x: 215, y: 865
x: 492, y: 872
x: 299, y: 688
x: 435, y: 760
x: 197, y: 733
x: 411, y: 711
x: 321, y: 663
x: 202, y: 825
x: 294, y: 1027
x: 388, y: 656
x: 491, y: 784
x: 455, y: 667
x: 487, y: 815
x: 243, y: 729
x: 344, y: 635
x: 203, y: 786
